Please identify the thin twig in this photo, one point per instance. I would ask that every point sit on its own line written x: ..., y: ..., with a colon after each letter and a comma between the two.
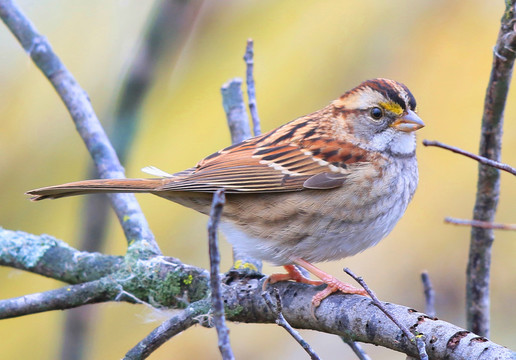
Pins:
x: 357, y: 349
x: 417, y: 340
x: 480, y: 159
x: 251, y: 90
x: 127, y: 209
x: 429, y: 294
x: 488, y: 184
x: 277, y: 309
x: 480, y: 224
x: 216, y: 292
x: 168, y: 329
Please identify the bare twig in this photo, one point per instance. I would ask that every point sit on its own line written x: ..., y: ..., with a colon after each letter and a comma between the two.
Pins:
x: 480, y: 159
x: 251, y: 90
x: 429, y: 294
x: 357, y: 349
x: 480, y: 224
x: 277, y: 308
x: 417, y: 340
x: 234, y: 106
x: 488, y: 185
x: 216, y: 297
x: 76, y: 100
x: 168, y: 329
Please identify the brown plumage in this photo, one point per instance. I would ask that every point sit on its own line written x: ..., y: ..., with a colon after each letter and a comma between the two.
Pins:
x: 321, y: 187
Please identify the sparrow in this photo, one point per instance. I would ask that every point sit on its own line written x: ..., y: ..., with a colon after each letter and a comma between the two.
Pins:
x: 322, y: 187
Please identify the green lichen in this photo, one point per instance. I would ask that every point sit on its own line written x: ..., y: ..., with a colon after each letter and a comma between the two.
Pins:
x: 234, y: 311
x: 163, y: 283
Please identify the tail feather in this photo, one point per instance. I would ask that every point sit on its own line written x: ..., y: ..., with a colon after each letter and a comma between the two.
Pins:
x: 95, y: 186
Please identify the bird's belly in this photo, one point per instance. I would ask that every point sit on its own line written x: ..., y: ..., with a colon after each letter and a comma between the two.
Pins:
x: 321, y: 225
x: 314, y: 238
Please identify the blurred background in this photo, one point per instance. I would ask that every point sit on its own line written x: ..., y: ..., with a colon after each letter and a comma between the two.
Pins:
x: 306, y: 54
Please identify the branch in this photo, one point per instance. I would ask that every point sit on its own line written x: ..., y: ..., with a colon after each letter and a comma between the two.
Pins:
x: 234, y: 107
x: 216, y: 297
x: 417, y: 340
x: 161, y: 281
x: 488, y: 185
x: 277, y: 309
x: 251, y: 91
x: 76, y: 100
x: 357, y: 349
x: 67, y: 297
x: 48, y: 256
x: 356, y: 317
x: 165, y: 30
x: 480, y: 224
x: 480, y: 159
x: 165, y: 282
x: 168, y: 329
x: 429, y: 294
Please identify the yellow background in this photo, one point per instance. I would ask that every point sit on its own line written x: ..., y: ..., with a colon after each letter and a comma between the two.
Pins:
x: 307, y: 53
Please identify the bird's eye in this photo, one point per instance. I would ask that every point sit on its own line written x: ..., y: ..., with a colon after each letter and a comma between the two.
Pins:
x: 376, y: 113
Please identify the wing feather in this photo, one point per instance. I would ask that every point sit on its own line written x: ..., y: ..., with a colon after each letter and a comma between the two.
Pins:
x: 281, y: 160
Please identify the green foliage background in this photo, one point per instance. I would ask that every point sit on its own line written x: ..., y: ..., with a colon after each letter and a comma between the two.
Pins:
x: 307, y: 53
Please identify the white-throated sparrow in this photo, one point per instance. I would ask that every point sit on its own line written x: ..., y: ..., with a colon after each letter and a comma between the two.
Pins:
x: 321, y: 187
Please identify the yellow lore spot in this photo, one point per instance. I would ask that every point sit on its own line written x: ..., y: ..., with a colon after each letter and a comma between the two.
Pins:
x: 392, y: 107
x: 126, y: 217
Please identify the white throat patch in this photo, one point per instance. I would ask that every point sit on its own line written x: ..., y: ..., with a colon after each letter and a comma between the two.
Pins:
x: 404, y: 143
x: 397, y: 142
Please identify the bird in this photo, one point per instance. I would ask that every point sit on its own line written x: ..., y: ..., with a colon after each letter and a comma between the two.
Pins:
x: 322, y: 187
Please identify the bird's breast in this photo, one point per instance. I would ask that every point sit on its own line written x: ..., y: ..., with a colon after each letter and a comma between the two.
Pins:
x: 321, y: 225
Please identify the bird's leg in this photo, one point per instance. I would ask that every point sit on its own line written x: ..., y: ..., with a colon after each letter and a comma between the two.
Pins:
x: 333, y: 283
x: 292, y: 274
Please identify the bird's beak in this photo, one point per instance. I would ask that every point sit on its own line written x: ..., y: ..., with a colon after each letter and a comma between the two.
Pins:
x: 408, y: 123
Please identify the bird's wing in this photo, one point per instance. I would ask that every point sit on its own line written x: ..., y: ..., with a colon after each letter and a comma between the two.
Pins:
x: 265, y: 164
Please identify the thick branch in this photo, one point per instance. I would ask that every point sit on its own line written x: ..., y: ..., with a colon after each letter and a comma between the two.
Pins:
x: 67, y: 297
x: 78, y: 104
x: 48, y: 256
x: 356, y: 318
x: 160, y: 281
x: 488, y: 185
x: 165, y: 282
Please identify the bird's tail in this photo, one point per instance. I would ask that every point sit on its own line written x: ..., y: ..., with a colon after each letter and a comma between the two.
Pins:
x: 96, y: 186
